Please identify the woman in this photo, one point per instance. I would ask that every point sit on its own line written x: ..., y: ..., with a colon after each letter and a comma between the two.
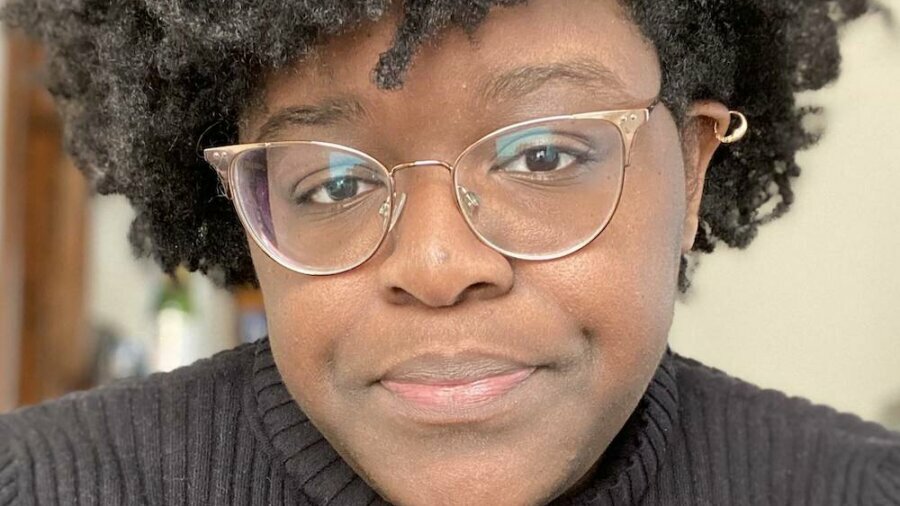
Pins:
x: 469, y: 255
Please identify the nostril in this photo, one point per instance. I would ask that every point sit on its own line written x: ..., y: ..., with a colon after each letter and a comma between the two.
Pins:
x: 478, y: 287
x: 398, y: 295
x: 475, y: 289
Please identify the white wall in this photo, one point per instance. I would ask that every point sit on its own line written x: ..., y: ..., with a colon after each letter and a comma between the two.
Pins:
x: 812, y: 307
x: 120, y: 288
x: 123, y: 291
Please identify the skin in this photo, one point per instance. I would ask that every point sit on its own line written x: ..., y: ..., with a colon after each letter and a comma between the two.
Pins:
x: 597, y: 319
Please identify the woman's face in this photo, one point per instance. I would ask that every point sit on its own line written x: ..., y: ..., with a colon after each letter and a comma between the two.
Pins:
x: 592, y: 325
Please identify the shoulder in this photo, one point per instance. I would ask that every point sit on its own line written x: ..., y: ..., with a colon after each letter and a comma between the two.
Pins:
x: 9, y: 469
x: 193, y: 383
x: 841, y: 454
x: 83, y: 435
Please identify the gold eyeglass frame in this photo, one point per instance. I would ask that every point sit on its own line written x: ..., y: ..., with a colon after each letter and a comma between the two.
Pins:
x: 627, y: 121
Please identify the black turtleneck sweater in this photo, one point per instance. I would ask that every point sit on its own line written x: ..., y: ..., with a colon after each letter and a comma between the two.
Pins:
x: 226, y: 431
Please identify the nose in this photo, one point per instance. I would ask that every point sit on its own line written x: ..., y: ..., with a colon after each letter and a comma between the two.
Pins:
x: 431, y: 256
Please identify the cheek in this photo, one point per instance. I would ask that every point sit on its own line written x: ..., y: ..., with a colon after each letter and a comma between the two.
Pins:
x: 306, y: 317
x: 622, y: 286
x: 644, y: 239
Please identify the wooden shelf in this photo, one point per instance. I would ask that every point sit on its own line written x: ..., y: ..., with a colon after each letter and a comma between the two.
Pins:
x: 44, y: 344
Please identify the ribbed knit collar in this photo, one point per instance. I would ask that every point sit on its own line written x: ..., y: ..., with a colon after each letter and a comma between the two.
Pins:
x: 627, y: 468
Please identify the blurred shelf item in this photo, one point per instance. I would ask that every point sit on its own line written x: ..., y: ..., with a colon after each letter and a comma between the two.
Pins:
x: 119, y: 356
x: 251, y: 316
x: 176, y: 323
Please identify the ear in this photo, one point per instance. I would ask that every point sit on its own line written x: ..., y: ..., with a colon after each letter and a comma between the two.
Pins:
x: 699, y: 143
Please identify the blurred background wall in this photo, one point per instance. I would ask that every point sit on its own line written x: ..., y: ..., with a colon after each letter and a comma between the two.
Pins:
x: 812, y: 307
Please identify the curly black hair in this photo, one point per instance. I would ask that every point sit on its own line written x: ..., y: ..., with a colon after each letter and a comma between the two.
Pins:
x: 143, y: 85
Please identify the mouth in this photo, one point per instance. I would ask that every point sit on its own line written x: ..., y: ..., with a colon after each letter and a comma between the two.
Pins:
x: 438, y: 389
x: 451, y: 395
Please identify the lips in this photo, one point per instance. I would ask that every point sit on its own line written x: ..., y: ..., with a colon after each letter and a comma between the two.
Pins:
x: 458, y: 395
x: 452, y: 383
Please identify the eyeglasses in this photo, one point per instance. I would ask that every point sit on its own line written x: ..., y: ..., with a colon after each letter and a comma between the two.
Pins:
x: 536, y: 190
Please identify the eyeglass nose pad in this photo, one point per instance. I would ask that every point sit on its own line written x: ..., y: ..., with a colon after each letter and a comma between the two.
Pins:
x: 469, y: 199
x: 398, y: 210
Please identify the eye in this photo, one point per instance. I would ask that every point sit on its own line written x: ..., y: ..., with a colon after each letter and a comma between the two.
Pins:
x: 337, y: 190
x: 336, y: 186
x: 546, y: 162
x: 540, y: 159
x: 545, y: 153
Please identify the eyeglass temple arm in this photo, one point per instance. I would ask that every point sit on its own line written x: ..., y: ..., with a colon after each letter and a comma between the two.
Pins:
x: 220, y: 160
x: 632, y: 123
x: 628, y: 121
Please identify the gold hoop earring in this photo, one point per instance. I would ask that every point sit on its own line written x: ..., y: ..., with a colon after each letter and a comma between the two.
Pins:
x: 739, y: 132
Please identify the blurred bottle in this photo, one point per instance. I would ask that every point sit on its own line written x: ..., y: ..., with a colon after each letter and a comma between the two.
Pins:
x: 251, y: 315
x: 118, y: 356
x: 176, y: 322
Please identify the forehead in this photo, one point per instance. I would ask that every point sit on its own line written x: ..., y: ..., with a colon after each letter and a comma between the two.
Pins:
x: 456, y: 70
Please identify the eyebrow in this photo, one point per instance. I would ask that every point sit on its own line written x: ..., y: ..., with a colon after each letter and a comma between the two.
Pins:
x: 524, y: 80
x: 512, y: 84
x: 329, y: 112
